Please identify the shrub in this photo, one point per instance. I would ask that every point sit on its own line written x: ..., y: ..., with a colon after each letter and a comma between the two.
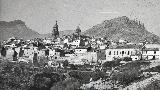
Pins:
x: 69, y: 84
x: 127, y: 59
x: 84, y: 76
x: 129, y: 72
x: 111, y: 63
x: 153, y: 86
x: 45, y: 80
x: 126, y: 77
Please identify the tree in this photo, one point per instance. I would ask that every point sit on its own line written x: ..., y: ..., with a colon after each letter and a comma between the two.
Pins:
x: 65, y: 63
x: 21, y: 52
x: 3, y: 52
x: 15, y: 55
x: 35, y: 60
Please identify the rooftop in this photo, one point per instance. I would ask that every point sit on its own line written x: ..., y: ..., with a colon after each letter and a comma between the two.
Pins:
x: 127, y: 47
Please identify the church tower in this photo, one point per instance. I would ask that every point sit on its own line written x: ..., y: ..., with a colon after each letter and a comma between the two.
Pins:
x: 55, y: 32
x: 78, y: 31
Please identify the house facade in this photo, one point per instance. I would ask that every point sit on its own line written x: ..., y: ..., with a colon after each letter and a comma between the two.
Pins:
x: 150, y: 53
x: 80, y: 50
x: 119, y: 53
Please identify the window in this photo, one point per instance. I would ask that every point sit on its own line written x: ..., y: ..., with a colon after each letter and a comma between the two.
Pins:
x: 154, y: 52
x: 128, y: 52
x: 117, y: 52
x: 114, y: 52
x: 55, y: 57
x: 109, y: 52
x: 122, y: 52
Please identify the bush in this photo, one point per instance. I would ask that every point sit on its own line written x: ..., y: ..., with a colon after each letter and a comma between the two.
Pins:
x: 111, y: 63
x: 127, y: 59
x: 45, y: 80
x: 153, y: 86
x: 126, y: 77
x: 129, y: 72
x: 69, y: 84
x: 85, y: 76
x: 154, y: 69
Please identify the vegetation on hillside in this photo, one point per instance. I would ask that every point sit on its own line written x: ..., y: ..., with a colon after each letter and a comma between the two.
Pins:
x: 122, y: 28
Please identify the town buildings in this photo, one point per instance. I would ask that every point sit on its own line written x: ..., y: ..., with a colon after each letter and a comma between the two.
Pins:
x: 79, y: 49
x: 120, y: 53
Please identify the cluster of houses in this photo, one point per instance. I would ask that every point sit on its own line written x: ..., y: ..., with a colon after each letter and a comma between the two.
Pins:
x: 77, y: 49
x: 77, y: 54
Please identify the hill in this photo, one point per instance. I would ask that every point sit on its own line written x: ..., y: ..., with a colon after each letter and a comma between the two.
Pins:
x: 122, y: 28
x: 16, y: 28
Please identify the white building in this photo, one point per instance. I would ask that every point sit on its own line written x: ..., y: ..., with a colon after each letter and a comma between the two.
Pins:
x: 9, y: 53
x: 122, y: 41
x: 82, y: 58
x: 41, y: 52
x: 80, y: 50
x: 51, y: 52
x: 151, y: 53
x: 75, y: 43
x: 119, y: 53
x: 28, y: 52
x: 56, y: 56
x: 66, y: 40
x: 47, y: 41
x: 102, y: 47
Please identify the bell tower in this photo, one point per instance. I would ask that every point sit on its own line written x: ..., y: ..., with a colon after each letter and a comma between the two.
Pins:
x: 55, y: 32
x: 78, y: 31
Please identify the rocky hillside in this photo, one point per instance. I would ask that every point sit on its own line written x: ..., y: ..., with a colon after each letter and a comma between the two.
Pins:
x: 122, y: 28
x: 16, y: 28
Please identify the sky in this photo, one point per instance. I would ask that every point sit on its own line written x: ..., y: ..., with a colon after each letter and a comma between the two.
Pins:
x: 40, y: 15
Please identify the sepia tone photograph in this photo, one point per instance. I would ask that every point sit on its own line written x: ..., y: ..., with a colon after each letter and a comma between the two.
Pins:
x: 79, y: 44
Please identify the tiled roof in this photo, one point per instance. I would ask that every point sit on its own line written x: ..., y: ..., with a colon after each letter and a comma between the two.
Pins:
x: 127, y: 47
x: 151, y: 49
x: 152, y: 45
x: 81, y: 48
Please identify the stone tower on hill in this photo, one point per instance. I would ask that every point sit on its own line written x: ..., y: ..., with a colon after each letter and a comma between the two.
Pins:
x: 55, y: 32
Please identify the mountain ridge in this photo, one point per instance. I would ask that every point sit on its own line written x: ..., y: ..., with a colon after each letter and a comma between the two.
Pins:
x: 16, y: 28
x: 113, y: 29
x: 122, y: 28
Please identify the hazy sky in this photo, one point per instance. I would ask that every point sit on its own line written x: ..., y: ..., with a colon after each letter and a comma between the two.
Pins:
x: 40, y: 15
